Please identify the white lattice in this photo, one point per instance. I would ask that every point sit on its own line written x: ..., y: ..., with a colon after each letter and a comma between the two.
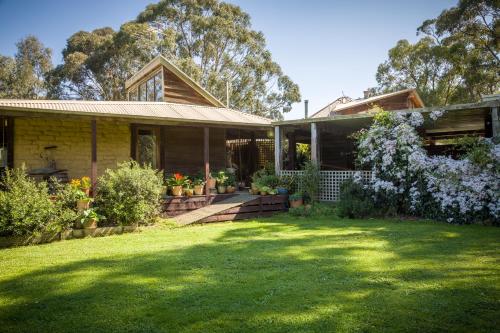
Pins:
x: 330, y: 181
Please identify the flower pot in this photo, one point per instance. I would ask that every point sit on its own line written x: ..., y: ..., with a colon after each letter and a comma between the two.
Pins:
x: 177, y: 191
x: 263, y: 193
x: 230, y: 189
x: 282, y: 191
x: 90, y: 224
x: 221, y: 189
x: 188, y: 192
x: 211, y: 182
x: 198, y: 189
x: 296, y: 203
x: 82, y: 205
x: 86, y: 191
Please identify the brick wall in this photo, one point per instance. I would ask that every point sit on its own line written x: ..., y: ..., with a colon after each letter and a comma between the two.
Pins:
x: 72, y: 138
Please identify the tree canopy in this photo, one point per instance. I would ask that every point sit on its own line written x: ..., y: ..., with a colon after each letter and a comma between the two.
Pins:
x: 456, y: 61
x: 211, y: 41
x: 25, y: 74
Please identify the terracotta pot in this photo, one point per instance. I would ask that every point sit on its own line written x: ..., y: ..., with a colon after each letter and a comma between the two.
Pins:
x: 221, y: 189
x: 230, y: 189
x: 211, y: 182
x: 82, y: 205
x: 188, y: 192
x: 177, y: 191
x: 296, y: 203
x: 90, y: 224
x: 263, y: 193
x: 198, y: 189
x: 86, y: 191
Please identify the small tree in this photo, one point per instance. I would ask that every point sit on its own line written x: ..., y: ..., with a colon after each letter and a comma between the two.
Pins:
x: 310, y: 181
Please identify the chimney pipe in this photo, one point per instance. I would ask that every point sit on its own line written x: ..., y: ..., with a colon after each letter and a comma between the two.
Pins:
x: 306, y: 108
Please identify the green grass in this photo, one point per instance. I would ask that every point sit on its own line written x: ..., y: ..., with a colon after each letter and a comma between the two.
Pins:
x: 280, y: 274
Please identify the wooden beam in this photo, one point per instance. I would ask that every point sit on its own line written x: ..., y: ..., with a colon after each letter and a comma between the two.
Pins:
x: 495, y: 121
x: 314, y: 143
x: 93, y: 166
x: 277, y: 149
x: 206, y: 157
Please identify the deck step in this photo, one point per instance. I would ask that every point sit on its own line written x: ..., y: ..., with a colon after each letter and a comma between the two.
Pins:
x: 215, y: 208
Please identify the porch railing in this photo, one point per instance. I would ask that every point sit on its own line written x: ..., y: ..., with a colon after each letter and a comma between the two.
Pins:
x: 330, y: 181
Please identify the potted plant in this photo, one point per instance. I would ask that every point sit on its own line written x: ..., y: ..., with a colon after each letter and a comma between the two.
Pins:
x: 231, y: 181
x: 264, y: 190
x: 273, y: 191
x: 85, y: 185
x: 90, y: 218
x: 221, y: 182
x: 198, y: 185
x: 211, y: 182
x: 188, y: 188
x: 177, y: 182
x: 82, y: 201
x: 296, y: 200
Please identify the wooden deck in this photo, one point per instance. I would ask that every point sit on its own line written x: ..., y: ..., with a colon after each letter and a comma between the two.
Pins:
x: 237, y: 207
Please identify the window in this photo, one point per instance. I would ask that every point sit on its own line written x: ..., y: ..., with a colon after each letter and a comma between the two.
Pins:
x: 132, y: 95
x: 158, y: 87
x: 150, y: 86
x: 6, y: 143
x: 143, y: 92
x: 147, y: 147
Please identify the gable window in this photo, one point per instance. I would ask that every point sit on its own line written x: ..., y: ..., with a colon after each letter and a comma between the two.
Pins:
x: 143, y: 92
x: 150, y: 86
x: 158, y: 87
x: 132, y: 95
x: 149, y: 90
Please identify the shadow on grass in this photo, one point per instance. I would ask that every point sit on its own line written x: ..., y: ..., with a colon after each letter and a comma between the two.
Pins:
x: 280, y: 275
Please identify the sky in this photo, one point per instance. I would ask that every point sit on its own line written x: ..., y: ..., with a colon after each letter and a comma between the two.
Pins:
x: 328, y: 48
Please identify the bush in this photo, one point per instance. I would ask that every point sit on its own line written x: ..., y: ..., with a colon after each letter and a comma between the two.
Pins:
x: 354, y: 201
x: 129, y: 194
x: 25, y: 205
x: 309, y: 181
x: 315, y: 210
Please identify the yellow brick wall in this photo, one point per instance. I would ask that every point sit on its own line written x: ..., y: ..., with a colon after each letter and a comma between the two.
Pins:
x: 72, y: 138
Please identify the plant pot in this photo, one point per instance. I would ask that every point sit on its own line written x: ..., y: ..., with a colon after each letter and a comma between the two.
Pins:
x: 211, y: 182
x: 230, y: 189
x: 177, y: 191
x: 86, y: 191
x: 90, y: 224
x: 221, y: 189
x: 188, y: 192
x: 296, y: 203
x: 82, y: 205
x: 282, y: 191
x: 198, y: 189
x: 263, y: 193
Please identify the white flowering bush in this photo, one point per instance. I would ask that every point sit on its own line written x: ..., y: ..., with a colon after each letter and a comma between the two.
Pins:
x: 407, y: 181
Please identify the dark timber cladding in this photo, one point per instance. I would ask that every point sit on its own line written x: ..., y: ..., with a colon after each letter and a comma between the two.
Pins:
x: 177, y: 91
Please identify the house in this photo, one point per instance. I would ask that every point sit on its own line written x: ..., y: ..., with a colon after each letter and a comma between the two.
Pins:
x: 169, y: 121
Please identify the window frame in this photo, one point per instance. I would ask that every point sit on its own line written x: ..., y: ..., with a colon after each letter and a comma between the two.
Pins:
x: 143, y: 83
x: 156, y: 131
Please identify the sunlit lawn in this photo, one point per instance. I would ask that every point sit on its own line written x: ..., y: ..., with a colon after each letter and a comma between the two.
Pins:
x: 276, y: 275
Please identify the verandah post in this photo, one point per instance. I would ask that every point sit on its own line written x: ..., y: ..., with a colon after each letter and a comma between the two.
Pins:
x: 93, y: 165
x: 314, y: 144
x: 206, y: 157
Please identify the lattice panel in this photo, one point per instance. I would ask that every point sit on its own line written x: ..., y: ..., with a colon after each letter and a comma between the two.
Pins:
x: 330, y: 181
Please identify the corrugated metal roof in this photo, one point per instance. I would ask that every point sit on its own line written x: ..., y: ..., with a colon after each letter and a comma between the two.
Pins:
x: 337, y: 106
x: 143, y: 110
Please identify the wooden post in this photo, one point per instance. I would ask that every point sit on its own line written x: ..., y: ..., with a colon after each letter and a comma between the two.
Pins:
x: 495, y: 121
x: 277, y: 150
x: 292, y: 151
x: 314, y: 143
x: 206, y: 157
x: 93, y: 166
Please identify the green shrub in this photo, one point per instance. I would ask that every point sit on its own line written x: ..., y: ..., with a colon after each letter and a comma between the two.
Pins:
x: 309, y: 181
x: 129, y: 194
x: 354, y: 201
x: 314, y: 210
x: 25, y: 205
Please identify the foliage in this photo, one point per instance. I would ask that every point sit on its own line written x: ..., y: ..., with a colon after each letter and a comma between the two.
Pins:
x: 25, y: 75
x: 478, y: 151
x: 231, y: 179
x: 287, y: 182
x: 295, y: 196
x: 129, y: 194
x: 455, y: 62
x: 309, y: 181
x: 316, y: 210
x: 222, y: 178
x: 25, y: 205
x: 91, y: 214
x: 199, y: 181
x: 407, y: 181
x: 85, y: 183
x: 355, y: 201
x: 177, y: 179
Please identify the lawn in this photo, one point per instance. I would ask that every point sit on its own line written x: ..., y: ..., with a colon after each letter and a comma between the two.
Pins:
x: 280, y: 274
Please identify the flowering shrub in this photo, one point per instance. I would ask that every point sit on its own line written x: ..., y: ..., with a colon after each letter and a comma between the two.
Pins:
x: 177, y: 179
x: 439, y: 187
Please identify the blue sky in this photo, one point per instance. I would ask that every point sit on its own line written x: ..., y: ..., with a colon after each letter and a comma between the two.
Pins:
x: 326, y: 47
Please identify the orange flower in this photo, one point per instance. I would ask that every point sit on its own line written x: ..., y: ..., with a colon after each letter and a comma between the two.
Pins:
x: 178, y: 176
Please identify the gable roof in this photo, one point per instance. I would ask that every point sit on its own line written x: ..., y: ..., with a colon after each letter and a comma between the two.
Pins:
x: 162, y: 61
x: 337, y: 105
x: 161, y: 111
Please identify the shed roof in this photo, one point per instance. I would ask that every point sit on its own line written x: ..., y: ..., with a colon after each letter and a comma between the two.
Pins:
x: 338, y: 106
x: 136, y: 110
